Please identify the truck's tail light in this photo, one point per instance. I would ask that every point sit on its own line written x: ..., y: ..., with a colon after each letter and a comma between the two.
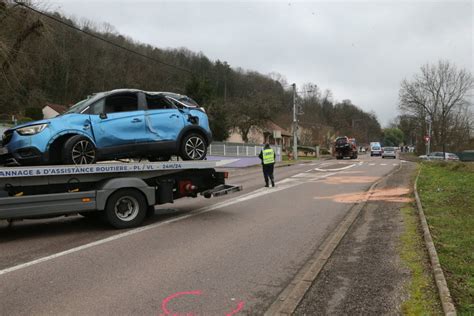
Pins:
x: 186, y: 187
x: 226, y: 175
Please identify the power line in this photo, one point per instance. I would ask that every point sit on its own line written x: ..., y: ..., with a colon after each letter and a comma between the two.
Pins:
x: 103, y: 39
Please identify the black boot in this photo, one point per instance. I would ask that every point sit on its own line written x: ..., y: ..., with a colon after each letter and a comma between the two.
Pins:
x: 273, y: 183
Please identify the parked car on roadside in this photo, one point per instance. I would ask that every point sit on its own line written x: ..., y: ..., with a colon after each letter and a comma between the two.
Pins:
x: 117, y: 124
x: 389, y: 152
x: 436, y: 155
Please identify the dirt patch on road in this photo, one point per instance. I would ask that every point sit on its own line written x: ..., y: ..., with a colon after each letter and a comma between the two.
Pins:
x: 394, y: 195
x: 365, y: 274
x: 350, y: 179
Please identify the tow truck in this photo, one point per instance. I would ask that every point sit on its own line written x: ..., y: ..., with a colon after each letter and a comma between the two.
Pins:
x: 345, y: 147
x: 122, y: 194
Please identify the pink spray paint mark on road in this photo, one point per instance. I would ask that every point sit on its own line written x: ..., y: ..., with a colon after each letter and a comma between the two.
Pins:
x: 240, y: 306
x: 164, y: 304
x: 167, y: 312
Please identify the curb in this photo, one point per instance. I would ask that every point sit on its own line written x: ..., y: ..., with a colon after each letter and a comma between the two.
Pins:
x: 443, y: 290
x: 291, y: 296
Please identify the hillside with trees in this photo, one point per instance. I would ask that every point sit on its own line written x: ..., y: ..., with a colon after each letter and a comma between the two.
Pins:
x: 52, y: 58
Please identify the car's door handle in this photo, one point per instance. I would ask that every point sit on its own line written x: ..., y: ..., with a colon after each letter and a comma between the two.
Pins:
x: 136, y: 120
x: 174, y: 115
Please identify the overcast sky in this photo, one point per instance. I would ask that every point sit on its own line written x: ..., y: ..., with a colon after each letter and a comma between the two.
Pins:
x: 360, y: 50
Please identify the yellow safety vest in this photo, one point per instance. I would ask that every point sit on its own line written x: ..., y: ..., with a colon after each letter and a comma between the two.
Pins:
x: 268, y: 156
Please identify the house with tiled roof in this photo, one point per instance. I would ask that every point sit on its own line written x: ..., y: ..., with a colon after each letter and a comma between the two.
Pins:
x: 270, y: 133
x: 51, y: 110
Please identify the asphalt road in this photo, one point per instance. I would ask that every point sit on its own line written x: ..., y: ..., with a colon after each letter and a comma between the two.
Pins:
x: 223, y: 256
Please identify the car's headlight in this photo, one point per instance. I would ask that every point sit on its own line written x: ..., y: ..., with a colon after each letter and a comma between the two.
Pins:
x: 31, y: 130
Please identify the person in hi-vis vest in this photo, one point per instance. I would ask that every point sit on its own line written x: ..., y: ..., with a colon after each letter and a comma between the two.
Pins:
x: 267, y: 155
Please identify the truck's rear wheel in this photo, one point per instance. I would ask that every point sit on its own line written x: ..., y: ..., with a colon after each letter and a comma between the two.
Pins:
x: 125, y: 208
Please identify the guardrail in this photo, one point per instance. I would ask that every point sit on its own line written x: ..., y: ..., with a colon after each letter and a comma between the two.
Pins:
x: 239, y: 150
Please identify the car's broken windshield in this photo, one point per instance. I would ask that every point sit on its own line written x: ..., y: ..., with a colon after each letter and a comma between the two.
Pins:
x: 78, y: 107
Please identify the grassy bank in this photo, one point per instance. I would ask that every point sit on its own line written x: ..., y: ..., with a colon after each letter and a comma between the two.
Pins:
x: 423, y: 296
x: 447, y: 194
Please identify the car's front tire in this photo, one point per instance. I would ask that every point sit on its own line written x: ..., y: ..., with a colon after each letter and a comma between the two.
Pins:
x: 79, y: 150
x: 193, y: 147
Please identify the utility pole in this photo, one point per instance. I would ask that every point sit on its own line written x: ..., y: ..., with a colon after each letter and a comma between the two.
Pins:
x: 225, y: 88
x: 428, y: 146
x: 295, y: 125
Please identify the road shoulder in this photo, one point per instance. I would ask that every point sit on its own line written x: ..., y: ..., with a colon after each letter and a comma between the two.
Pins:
x: 366, y: 273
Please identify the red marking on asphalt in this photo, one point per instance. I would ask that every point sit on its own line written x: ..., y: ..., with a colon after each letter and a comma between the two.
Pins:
x: 164, y: 304
x: 240, y: 306
x: 167, y: 312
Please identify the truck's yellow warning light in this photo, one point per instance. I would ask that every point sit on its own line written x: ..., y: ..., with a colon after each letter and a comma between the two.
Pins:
x: 86, y: 199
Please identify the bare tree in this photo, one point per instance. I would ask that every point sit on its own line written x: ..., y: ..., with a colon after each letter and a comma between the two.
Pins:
x: 440, y: 93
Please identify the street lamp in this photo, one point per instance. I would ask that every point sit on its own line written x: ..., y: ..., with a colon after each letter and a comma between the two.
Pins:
x: 295, y: 125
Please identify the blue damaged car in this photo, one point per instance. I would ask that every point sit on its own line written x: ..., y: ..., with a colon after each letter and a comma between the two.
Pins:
x: 118, y: 124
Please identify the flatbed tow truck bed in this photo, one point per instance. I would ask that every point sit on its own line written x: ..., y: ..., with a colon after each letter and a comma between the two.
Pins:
x: 121, y: 193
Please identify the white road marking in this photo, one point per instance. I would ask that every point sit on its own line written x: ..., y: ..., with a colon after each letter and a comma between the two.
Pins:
x: 371, y: 164
x: 335, y: 169
x: 280, y: 185
x: 304, y: 175
x: 383, y: 164
x: 394, y: 164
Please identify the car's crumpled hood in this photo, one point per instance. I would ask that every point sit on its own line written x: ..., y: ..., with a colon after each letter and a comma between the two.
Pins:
x: 63, y: 118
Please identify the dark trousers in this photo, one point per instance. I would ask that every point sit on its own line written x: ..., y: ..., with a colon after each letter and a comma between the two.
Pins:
x: 268, y: 173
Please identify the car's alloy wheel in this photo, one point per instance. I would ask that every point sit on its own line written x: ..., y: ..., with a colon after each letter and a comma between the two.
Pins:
x: 83, y: 152
x: 79, y: 150
x: 195, y: 147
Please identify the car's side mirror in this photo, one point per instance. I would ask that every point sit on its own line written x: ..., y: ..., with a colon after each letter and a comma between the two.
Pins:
x: 103, y: 116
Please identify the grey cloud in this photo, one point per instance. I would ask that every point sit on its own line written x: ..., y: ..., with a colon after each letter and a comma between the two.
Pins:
x: 359, y: 50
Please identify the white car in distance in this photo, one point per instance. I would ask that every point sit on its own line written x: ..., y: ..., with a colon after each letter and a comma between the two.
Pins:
x: 389, y: 152
x: 437, y: 155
